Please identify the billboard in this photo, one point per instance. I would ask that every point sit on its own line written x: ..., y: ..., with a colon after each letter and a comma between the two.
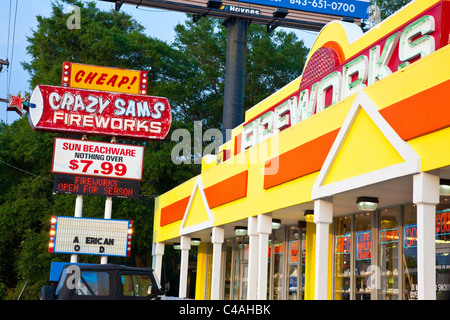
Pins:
x: 84, y: 76
x: 103, y: 237
x: 344, y: 8
x: 92, y: 112
x: 303, y: 14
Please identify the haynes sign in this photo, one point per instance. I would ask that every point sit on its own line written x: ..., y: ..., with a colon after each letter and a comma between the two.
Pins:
x: 82, y: 111
x: 330, y: 76
x: 345, y: 8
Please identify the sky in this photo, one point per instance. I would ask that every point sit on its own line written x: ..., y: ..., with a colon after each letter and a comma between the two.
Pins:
x: 159, y: 24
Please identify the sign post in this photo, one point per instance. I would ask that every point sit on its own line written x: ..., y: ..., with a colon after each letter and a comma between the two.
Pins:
x: 98, y: 101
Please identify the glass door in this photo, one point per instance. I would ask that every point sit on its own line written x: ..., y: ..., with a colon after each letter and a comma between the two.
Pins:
x: 389, y: 254
x: 443, y: 273
x: 443, y: 251
x: 342, y: 250
x: 278, y: 275
x: 363, y: 256
x: 296, y: 263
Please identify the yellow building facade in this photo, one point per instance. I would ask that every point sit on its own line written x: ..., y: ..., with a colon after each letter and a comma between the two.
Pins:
x: 334, y: 187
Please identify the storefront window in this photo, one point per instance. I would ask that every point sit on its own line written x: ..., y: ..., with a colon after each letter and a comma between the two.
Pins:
x: 228, y: 261
x: 296, y: 263
x: 278, y: 260
x: 303, y: 263
x: 389, y: 254
x: 409, y: 253
x: 342, y: 258
x: 443, y: 249
x: 363, y: 256
x: 240, y: 268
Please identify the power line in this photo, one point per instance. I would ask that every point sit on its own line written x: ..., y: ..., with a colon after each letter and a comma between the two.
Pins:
x: 27, y: 172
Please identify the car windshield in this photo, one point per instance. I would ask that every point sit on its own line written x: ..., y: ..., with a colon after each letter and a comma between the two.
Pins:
x: 86, y: 283
x: 93, y: 283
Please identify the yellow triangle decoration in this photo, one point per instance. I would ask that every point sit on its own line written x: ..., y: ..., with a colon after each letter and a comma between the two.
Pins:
x: 364, y: 150
x: 197, y: 212
x: 198, y: 215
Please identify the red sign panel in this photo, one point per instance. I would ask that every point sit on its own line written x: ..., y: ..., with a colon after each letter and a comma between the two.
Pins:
x: 92, y: 112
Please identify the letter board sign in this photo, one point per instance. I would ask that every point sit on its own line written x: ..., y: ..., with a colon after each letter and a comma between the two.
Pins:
x: 105, y: 237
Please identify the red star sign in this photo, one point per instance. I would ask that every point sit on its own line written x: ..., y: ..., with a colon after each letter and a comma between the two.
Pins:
x: 16, y: 104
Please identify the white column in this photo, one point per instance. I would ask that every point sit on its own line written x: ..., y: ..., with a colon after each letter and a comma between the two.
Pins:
x: 252, y: 233
x: 78, y: 214
x: 157, y: 252
x: 185, y: 246
x: 108, y: 211
x: 426, y: 196
x: 323, y: 216
x: 264, y: 228
x: 216, y: 279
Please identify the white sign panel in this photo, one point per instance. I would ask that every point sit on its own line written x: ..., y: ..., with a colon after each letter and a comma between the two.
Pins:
x: 103, y: 237
x: 92, y: 158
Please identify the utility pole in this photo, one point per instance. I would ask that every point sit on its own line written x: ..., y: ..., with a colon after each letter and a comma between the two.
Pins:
x: 3, y: 63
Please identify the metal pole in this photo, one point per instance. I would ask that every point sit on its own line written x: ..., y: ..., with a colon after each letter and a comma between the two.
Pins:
x: 233, y: 100
x: 78, y: 213
x: 108, y: 210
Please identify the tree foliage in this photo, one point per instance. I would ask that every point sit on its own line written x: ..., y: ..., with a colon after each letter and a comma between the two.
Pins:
x: 388, y: 7
x: 190, y: 72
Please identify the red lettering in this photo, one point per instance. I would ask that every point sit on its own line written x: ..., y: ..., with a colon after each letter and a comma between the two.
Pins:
x: 90, y: 77
x: 79, y: 76
x: 123, y: 81
x: 101, y: 79
x: 112, y: 81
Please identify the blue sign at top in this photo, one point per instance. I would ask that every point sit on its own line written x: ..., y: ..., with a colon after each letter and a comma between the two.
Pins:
x: 345, y: 8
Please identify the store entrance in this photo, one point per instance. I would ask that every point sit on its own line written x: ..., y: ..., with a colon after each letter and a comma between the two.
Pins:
x: 285, y: 269
x: 443, y: 272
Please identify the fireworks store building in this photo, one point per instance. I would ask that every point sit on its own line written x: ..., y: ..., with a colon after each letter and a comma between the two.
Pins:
x: 337, y: 186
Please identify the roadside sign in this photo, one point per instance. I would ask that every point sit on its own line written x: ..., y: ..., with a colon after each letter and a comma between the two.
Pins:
x: 104, y: 237
x: 84, y: 76
x: 100, y: 159
x: 91, y: 112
